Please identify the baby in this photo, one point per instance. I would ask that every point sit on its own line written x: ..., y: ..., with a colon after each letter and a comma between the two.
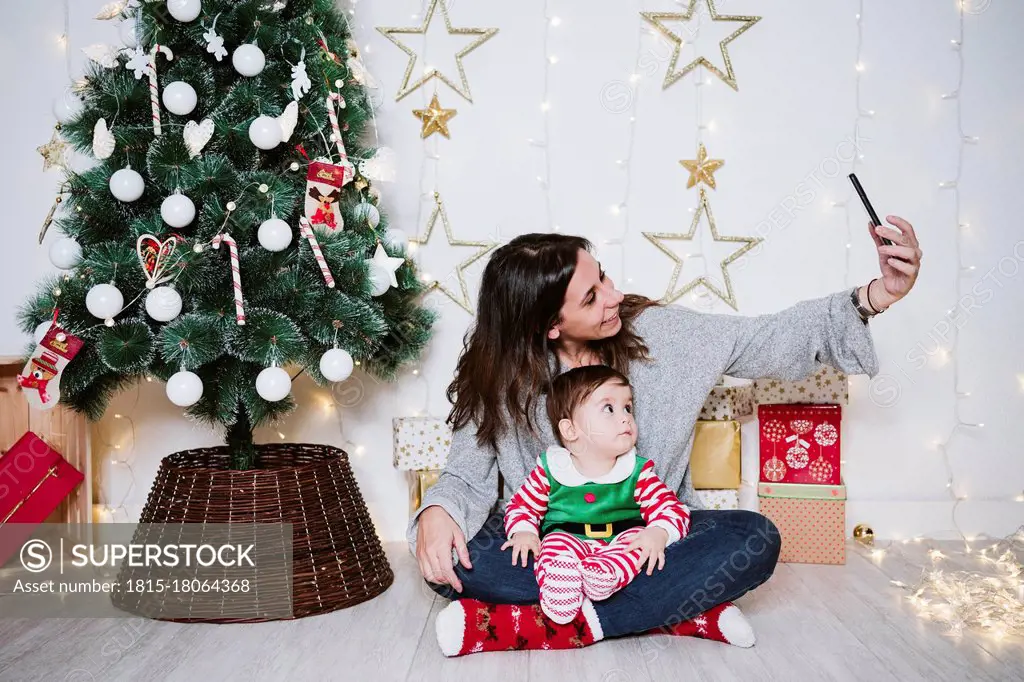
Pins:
x: 592, y: 511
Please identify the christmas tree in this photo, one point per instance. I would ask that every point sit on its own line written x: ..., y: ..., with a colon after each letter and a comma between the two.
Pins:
x: 229, y: 227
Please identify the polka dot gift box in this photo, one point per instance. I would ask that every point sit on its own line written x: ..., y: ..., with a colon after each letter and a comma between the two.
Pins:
x: 810, y: 518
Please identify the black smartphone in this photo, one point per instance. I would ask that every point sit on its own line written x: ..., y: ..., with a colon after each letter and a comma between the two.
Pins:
x: 867, y: 205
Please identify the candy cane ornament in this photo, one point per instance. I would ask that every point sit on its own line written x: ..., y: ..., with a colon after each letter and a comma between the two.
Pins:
x: 333, y: 99
x: 154, y: 88
x: 306, y: 230
x: 236, y: 273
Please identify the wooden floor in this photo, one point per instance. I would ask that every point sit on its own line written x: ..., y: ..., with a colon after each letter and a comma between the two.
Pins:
x: 812, y: 623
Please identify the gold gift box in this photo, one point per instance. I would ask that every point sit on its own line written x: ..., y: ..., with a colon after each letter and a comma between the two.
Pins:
x: 419, y: 483
x: 715, y: 456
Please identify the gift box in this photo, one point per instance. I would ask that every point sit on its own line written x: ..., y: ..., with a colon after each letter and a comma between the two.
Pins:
x: 420, y: 442
x: 800, y: 443
x: 726, y: 403
x: 810, y: 518
x: 715, y: 456
x: 34, y: 479
x: 419, y: 483
x: 719, y: 499
x: 826, y: 385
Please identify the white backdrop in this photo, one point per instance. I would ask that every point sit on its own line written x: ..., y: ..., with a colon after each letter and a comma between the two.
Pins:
x: 601, y: 160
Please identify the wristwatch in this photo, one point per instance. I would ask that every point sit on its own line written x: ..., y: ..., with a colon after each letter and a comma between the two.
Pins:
x: 865, y: 313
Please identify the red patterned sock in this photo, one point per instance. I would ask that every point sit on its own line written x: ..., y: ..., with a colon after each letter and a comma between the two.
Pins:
x: 469, y: 626
x: 723, y: 623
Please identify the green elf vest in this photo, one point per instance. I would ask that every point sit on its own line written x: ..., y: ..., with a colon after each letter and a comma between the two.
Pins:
x: 582, y: 500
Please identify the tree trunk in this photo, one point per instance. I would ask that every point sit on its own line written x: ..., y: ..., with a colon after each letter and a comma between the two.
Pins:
x: 242, y: 450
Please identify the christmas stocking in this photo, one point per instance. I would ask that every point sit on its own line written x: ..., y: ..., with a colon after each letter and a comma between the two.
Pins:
x: 723, y: 623
x: 468, y: 626
x: 323, y: 192
x: 40, y: 379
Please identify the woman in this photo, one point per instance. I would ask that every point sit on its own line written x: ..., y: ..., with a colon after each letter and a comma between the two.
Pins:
x: 545, y: 305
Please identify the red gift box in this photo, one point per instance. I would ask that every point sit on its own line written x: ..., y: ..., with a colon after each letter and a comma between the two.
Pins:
x: 800, y: 443
x: 34, y: 479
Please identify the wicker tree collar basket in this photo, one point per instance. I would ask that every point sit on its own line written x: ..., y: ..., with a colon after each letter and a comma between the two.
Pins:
x: 338, y: 560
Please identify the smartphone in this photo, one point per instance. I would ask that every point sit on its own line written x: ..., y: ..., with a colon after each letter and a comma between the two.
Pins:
x: 867, y: 205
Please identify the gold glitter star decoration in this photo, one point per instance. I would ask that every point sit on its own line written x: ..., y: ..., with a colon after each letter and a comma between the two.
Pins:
x: 483, y: 35
x: 461, y: 296
x: 702, y: 169
x: 434, y: 118
x: 658, y: 19
x: 673, y: 293
x: 54, y: 151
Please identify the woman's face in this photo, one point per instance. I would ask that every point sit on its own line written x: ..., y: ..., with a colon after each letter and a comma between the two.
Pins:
x: 590, y: 311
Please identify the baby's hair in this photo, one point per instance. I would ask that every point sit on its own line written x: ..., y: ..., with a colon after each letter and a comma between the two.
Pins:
x: 570, y: 389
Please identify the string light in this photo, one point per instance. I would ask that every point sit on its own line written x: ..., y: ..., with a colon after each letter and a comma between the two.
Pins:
x: 862, y: 113
x: 109, y: 513
x: 549, y: 61
x: 992, y: 602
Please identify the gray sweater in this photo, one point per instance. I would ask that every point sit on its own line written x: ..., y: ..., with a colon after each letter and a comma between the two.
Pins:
x: 689, y: 352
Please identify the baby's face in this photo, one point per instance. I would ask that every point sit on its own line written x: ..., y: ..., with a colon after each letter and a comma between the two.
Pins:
x: 605, y: 421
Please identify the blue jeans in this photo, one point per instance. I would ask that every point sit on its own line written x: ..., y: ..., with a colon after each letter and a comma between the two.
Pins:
x: 726, y: 554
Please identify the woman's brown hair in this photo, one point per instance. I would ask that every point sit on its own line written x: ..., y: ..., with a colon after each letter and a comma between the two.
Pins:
x: 506, y: 358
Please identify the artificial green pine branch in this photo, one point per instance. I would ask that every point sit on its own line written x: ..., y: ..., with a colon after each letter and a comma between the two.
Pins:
x: 292, y: 316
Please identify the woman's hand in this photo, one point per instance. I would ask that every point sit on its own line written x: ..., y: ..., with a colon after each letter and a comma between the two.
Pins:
x: 522, y: 543
x: 436, y: 535
x: 651, y: 542
x: 900, y: 263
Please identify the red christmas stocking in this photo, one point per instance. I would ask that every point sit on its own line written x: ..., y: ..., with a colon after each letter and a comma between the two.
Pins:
x: 468, y: 626
x: 324, y: 181
x: 40, y: 379
x: 723, y: 623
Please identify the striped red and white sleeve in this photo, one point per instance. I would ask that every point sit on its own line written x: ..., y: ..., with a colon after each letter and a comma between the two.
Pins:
x: 527, y: 507
x: 659, y: 506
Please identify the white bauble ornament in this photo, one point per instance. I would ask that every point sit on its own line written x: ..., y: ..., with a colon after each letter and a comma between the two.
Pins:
x: 396, y: 238
x: 40, y: 331
x: 336, y: 364
x: 126, y: 184
x: 178, y: 210
x: 126, y: 31
x: 184, y: 389
x: 274, y: 234
x: 248, y: 60
x: 380, y: 280
x: 265, y: 132
x: 163, y: 304
x: 370, y: 214
x: 104, y: 301
x: 180, y: 98
x: 67, y: 105
x: 65, y: 253
x: 184, y: 10
x: 273, y: 384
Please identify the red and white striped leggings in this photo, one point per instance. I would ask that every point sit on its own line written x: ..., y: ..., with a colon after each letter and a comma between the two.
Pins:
x: 570, y: 568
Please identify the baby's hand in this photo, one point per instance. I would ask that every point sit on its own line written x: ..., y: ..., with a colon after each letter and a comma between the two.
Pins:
x: 523, y: 543
x: 651, y: 542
